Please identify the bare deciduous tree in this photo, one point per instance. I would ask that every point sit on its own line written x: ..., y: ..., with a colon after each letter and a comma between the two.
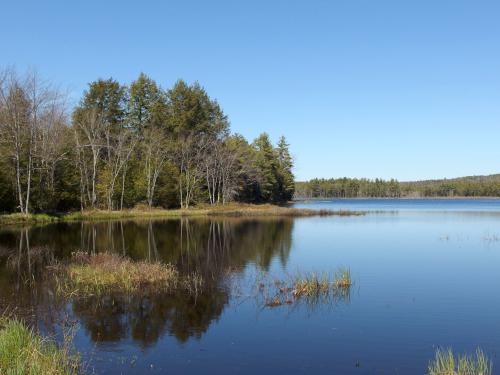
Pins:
x: 189, y: 156
x: 89, y: 144
x: 29, y: 107
x: 121, y: 147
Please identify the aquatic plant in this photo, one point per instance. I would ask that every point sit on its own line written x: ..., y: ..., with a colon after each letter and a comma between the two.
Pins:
x: 343, y: 278
x: 446, y: 363
x: 311, y: 284
x: 311, y: 287
x: 103, y: 273
x: 22, y: 351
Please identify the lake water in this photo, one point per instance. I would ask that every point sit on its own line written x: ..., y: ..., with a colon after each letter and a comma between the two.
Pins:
x: 426, y: 274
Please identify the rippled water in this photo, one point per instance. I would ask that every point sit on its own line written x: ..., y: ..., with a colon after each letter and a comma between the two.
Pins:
x: 426, y: 274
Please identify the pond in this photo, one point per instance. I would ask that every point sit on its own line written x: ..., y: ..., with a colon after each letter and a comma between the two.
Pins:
x: 425, y: 272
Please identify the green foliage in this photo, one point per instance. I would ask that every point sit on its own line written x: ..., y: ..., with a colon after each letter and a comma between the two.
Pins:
x: 107, y: 97
x: 191, y: 111
x: 286, y: 183
x: 137, y: 144
x: 472, y: 186
x: 267, y: 164
x: 22, y: 351
x: 147, y: 104
x: 347, y: 188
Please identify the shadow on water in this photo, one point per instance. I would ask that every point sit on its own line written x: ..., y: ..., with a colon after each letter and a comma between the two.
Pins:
x: 215, y: 248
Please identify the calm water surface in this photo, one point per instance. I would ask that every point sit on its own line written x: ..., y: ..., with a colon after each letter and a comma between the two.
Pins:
x: 426, y: 274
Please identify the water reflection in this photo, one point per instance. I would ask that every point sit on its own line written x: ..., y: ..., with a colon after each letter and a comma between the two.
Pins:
x: 214, y: 248
x: 145, y: 319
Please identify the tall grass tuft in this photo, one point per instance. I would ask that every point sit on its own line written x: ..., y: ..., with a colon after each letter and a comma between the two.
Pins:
x: 24, y: 352
x: 87, y: 275
x: 311, y: 285
x: 343, y: 278
x: 446, y: 363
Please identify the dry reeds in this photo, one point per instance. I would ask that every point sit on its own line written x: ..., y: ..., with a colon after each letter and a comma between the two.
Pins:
x: 97, y: 274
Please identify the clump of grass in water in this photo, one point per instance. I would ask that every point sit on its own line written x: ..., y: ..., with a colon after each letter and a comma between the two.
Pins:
x: 343, y: 278
x: 22, y: 351
x: 446, y: 363
x: 309, y: 286
x: 103, y: 273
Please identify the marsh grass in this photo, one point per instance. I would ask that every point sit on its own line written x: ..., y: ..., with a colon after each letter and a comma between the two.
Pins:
x: 446, y: 363
x: 22, y: 351
x: 312, y: 287
x: 231, y: 210
x: 343, y: 278
x: 311, y: 284
x: 19, y: 218
x: 88, y: 275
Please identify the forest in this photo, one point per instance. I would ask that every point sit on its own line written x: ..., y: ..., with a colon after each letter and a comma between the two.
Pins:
x: 471, y: 186
x: 130, y: 145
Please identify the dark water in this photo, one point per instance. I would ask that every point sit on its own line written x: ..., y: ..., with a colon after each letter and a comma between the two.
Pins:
x: 426, y: 274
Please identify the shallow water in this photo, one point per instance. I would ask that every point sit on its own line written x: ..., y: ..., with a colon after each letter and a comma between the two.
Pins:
x: 426, y: 274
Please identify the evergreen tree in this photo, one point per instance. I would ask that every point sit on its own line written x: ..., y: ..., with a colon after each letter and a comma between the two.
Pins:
x: 107, y: 98
x: 146, y: 104
x: 192, y: 112
x: 267, y: 164
x: 286, y: 179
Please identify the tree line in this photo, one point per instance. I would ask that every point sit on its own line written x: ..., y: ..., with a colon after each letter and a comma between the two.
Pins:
x: 125, y: 145
x: 472, y: 186
x: 347, y: 188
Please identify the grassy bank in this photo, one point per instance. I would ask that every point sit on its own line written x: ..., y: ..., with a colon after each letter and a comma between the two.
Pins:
x: 18, y: 218
x: 22, y: 351
x: 86, y: 275
x: 199, y: 211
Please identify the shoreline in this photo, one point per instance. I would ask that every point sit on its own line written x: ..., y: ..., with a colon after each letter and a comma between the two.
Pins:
x: 304, y: 200
x: 230, y: 210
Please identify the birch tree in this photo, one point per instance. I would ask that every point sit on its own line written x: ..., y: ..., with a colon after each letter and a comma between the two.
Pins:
x: 29, y: 109
x: 88, y: 130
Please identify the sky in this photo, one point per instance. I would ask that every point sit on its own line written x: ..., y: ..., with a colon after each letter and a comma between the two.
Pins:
x: 360, y: 88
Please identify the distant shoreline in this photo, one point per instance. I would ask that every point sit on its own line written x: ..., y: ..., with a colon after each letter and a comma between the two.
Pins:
x: 303, y: 200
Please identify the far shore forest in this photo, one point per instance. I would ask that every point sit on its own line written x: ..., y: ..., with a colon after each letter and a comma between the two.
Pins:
x: 472, y: 186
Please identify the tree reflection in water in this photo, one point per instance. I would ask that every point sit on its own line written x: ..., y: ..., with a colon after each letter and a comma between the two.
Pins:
x: 215, y: 248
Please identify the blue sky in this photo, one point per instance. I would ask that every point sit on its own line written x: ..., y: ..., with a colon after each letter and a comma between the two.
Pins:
x: 399, y: 89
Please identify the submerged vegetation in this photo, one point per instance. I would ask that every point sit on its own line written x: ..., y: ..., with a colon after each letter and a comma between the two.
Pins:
x: 88, y: 275
x: 310, y: 287
x: 22, y: 351
x: 446, y: 363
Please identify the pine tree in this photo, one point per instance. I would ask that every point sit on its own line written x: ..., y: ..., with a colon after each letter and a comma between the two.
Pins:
x: 286, y: 180
x: 267, y: 165
x: 146, y: 105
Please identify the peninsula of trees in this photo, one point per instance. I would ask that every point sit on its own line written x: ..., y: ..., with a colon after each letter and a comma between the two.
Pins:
x: 125, y: 145
x: 472, y: 186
